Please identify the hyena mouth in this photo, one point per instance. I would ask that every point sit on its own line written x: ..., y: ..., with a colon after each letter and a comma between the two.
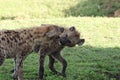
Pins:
x: 81, y: 42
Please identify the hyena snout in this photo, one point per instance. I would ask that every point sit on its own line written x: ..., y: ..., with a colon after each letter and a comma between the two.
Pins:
x: 81, y: 42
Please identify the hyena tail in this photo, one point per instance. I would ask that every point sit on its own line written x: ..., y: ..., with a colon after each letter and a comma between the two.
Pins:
x: 2, y: 58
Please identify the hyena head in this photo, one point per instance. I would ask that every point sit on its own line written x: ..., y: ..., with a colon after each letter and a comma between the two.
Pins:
x: 70, y: 37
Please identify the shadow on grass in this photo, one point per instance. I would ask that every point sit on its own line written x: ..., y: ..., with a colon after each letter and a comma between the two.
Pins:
x: 93, y: 8
x: 97, y: 61
x: 107, y: 60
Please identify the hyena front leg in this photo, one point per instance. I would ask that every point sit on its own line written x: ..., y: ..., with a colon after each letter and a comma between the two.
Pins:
x: 63, y: 61
x: 51, y: 64
x: 42, y: 54
x: 18, y: 72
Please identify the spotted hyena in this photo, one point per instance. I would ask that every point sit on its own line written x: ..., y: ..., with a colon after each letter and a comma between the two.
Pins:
x: 70, y: 37
x: 18, y: 44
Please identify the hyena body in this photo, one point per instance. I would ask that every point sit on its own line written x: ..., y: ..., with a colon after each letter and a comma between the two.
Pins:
x: 70, y: 37
x: 18, y: 44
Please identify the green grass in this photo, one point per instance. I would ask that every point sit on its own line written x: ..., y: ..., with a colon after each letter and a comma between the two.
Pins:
x: 97, y: 59
x: 25, y: 9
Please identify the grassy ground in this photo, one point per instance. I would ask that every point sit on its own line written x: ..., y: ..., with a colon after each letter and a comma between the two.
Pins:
x: 20, y: 9
x: 97, y: 59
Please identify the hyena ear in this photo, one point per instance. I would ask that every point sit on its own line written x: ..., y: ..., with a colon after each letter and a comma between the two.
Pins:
x: 72, y: 28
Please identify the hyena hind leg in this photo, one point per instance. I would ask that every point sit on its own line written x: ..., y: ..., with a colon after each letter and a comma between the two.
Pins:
x: 2, y: 58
